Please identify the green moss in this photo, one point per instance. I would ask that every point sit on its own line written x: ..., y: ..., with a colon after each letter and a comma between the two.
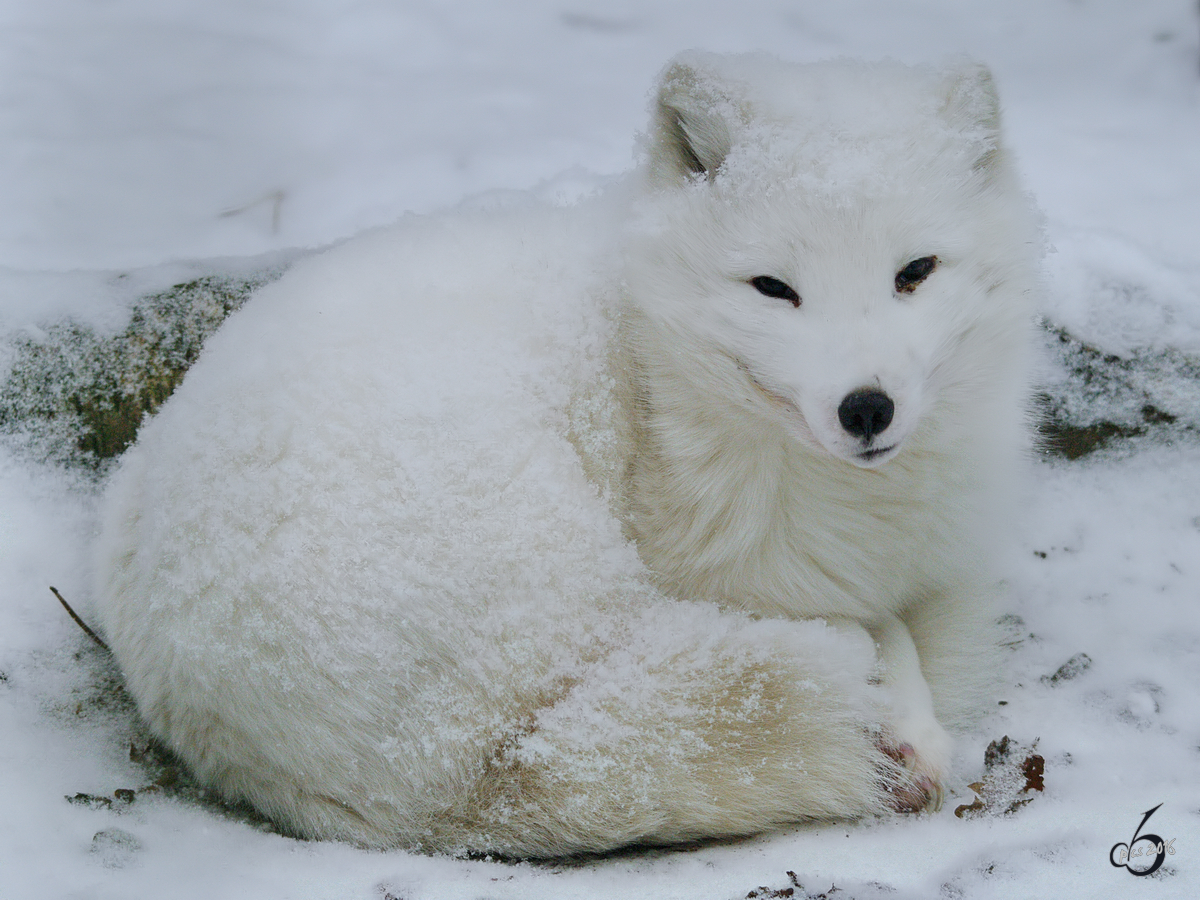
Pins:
x: 1107, y: 401
x: 77, y: 397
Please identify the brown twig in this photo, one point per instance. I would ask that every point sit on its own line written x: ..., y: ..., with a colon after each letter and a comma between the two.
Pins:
x: 78, y: 621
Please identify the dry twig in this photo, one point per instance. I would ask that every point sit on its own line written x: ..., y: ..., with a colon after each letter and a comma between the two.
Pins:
x: 78, y: 621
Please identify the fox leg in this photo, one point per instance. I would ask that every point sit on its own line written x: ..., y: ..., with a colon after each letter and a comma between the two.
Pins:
x: 913, y: 718
x: 914, y: 738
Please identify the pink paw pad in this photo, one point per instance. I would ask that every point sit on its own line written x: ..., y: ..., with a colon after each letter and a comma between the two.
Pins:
x: 915, y: 792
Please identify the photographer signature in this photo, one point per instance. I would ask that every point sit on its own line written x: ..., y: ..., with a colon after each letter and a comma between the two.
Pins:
x: 1121, y: 853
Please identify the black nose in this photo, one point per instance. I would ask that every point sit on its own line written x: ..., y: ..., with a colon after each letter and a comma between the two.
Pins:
x: 866, y: 412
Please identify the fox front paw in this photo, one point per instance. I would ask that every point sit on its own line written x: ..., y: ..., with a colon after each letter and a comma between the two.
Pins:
x: 912, y: 784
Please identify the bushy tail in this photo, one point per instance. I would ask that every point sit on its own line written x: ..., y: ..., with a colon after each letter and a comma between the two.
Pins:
x: 704, y: 725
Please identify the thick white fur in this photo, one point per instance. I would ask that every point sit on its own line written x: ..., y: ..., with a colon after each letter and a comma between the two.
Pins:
x: 535, y: 531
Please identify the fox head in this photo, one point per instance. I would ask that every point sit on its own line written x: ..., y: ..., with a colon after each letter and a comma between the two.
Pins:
x: 836, y: 249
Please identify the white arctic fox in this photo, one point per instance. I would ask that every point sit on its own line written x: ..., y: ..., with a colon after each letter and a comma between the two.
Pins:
x: 541, y: 531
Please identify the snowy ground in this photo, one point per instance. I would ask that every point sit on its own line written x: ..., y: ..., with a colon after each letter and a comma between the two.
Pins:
x: 138, y: 133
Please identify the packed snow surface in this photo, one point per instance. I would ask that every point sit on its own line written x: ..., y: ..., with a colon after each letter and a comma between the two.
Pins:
x: 149, y: 143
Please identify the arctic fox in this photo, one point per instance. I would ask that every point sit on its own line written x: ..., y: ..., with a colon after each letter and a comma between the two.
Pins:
x: 540, y: 531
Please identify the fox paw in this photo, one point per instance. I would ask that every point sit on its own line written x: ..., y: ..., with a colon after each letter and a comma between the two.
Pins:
x: 912, y: 785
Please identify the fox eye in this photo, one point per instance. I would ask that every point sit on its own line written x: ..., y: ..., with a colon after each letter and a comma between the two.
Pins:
x: 914, y: 273
x: 773, y: 287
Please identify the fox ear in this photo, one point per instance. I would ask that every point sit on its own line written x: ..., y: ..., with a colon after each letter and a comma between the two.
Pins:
x: 973, y: 107
x: 691, y: 133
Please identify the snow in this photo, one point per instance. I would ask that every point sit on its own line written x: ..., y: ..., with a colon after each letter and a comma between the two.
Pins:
x: 146, y: 142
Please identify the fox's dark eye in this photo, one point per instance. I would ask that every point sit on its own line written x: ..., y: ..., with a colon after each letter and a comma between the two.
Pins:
x: 914, y: 273
x: 773, y: 287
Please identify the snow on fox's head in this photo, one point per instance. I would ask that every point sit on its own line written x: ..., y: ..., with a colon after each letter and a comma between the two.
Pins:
x: 829, y: 238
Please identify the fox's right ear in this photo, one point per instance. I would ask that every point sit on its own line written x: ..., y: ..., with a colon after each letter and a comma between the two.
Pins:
x: 691, y: 133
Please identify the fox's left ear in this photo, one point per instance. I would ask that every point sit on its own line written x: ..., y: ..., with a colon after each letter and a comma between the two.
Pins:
x: 693, y: 120
x: 972, y: 106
